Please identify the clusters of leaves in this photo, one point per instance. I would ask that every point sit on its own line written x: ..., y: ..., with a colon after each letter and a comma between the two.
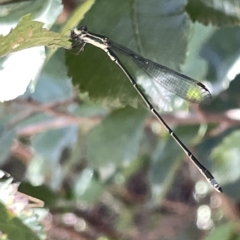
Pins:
x: 91, y: 151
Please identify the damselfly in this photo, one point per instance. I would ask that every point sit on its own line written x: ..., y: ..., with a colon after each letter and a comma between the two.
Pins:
x: 177, y: 83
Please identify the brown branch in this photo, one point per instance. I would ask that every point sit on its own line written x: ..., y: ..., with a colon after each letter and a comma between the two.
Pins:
x: 62, y: 118
x: 35, y: 107
x: 65, y: 119
x: 56, y: 123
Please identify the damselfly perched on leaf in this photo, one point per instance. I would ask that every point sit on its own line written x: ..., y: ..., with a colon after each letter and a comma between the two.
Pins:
x: 177, y: 83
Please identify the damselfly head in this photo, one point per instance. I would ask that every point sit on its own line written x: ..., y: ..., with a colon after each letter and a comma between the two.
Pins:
x: 82, y: 28
x: 76, y: 40
x: 78, y: 31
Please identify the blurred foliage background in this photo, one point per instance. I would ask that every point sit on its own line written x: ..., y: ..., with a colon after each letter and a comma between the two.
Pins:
x: 77, y: 136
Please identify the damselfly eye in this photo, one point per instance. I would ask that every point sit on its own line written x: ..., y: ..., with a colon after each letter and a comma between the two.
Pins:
x: 82, y: 28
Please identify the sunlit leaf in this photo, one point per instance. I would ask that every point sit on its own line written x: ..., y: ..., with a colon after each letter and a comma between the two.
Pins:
x: 28, y: 34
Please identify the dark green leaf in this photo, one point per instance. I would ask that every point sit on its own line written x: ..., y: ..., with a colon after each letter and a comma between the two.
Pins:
x: 42, y: 192
x: 93, y: 72
x: 158, y: 30
x: 218, y: 13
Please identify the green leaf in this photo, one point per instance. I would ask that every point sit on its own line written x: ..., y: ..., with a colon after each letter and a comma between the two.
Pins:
x: 28, y: 34
x: 226, y: 156
x: 92, y: 72
x: 195, y: 66
x: 164, y: 164
x: 87, y: 187
x: 226, y: 232
x: 150, y: 28
x: 43, y: 192
x: 116, y: 140
x: 167, y: 157
x: 55, y: 139
x: 157, y: 30
x: 225, y: 153
x: 218, y: 13
x: 49, y: 147
x: 222, y: 52
x: 13, y: 227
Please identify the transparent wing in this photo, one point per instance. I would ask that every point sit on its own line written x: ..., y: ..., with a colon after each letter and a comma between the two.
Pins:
x: 175, y: 82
